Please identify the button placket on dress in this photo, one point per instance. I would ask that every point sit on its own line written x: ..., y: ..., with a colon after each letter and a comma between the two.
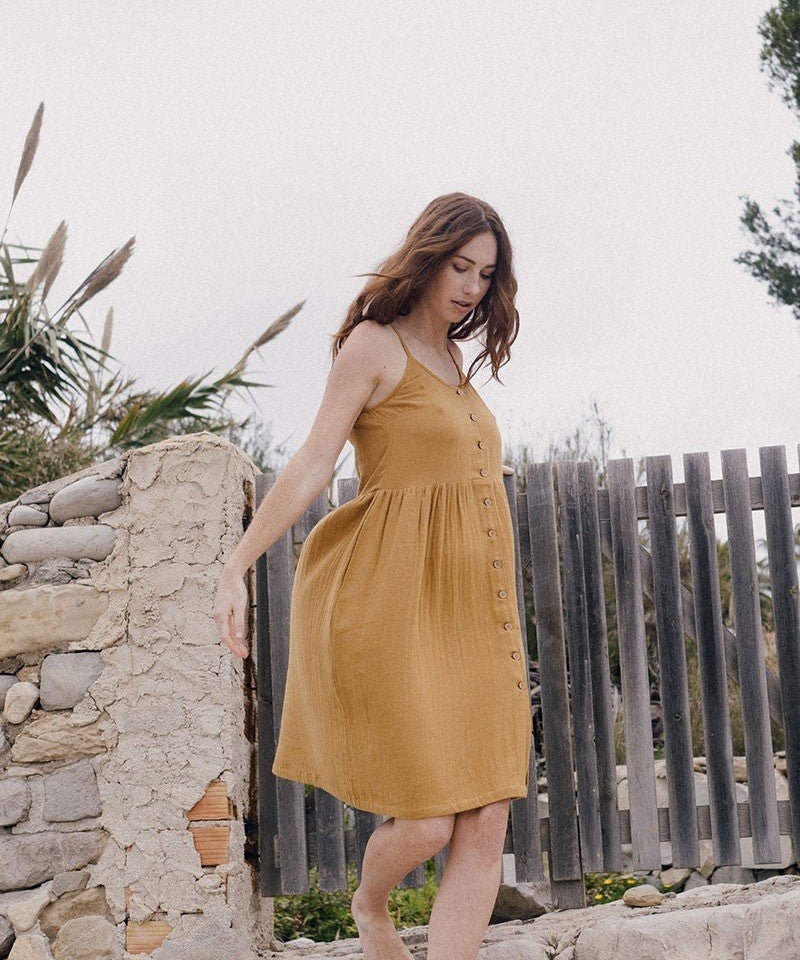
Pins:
x: 491, y: 532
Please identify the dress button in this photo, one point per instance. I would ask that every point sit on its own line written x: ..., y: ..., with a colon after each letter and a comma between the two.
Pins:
x: 516, y: 655
x: 460, y: 392
x: 508, y: 626
x: 481, y: 444
x: 491, y: 532
x: 522, y: 684
x: 502, y: 594
x: 497, y: 564
x: 473, y: 416
x: 487, y: 501
x: 484, y: 472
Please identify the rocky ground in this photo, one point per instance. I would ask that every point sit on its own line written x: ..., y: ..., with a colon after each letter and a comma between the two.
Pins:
x: 724, y: 921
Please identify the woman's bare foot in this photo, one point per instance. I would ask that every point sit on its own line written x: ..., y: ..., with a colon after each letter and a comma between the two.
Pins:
x: 376, y: 932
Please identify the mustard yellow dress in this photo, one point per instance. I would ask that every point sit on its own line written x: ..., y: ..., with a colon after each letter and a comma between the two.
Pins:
x: 407, y: 690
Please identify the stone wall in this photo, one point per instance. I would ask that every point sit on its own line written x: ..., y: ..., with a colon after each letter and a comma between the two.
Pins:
x: 126, y: 734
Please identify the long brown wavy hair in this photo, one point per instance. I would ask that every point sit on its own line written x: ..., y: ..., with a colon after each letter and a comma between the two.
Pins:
x: 444, y: 226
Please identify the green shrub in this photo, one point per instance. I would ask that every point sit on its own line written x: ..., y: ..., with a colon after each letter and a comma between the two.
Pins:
x: 606, y: 887
x: 324, y: 916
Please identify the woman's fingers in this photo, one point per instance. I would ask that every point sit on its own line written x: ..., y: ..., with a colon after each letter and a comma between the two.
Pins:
x: 230, y: 609
x: 235, y: 633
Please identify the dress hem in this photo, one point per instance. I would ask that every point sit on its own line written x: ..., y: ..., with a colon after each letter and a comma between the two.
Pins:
x: 513, y: 792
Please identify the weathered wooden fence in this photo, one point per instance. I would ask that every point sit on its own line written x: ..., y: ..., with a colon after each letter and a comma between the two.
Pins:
x: 565, y: 526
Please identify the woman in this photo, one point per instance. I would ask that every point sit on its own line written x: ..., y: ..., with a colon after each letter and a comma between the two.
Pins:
x: 406, y: 691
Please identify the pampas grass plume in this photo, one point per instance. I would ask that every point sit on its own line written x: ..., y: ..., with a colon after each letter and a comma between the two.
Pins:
x: 50, y: 261
x: 29, y: 150
x: 105, y: 273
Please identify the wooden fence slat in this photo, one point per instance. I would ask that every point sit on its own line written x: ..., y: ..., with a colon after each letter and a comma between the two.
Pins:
x: 268, y: 829
x: 711, y: 659
x: 365, y: 823
x: 704, y: 831
x: 329, y: 824
x: 415, y: 878
x: 717, y: 497
x: 566, y: 871
x: 646, y: 853
x: 292, y: 843
x: 687, y: 608
x: 525, y: 835
x: 672, y: 663
x: 601, y: 674
x: 439, y: 862
x: 786, y: 609
x: 580, y: 677
x: 750, y: 645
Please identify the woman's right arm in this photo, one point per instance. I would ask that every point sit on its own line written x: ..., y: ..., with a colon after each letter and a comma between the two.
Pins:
x: 357, y: 369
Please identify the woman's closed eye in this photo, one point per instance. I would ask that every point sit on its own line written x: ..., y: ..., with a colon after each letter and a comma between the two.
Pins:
x: 464, y: 270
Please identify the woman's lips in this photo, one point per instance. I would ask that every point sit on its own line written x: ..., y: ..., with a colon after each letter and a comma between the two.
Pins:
x: 462, y: 305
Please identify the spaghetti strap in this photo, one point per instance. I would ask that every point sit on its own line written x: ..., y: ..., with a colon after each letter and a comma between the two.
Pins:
x: 401, y: 340
x: 461, y: 377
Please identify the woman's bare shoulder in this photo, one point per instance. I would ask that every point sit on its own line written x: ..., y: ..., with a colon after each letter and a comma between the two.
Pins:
x: 374, y: 343
x: 370, y: 331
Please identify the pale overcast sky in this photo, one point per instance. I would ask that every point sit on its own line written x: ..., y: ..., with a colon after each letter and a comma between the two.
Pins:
x: 264, y: 153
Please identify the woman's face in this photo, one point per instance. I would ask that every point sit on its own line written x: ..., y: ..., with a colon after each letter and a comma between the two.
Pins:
x: 461, y: 282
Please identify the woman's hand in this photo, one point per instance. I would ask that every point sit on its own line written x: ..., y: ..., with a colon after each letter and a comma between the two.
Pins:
x: 507, y: 470
x: 230, y: 611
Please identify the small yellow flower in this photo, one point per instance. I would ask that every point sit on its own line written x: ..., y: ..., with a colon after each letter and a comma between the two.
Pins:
x: 608, y: 880
x: 598, y: 896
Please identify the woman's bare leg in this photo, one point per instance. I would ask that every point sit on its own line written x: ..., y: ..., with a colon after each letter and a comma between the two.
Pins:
x: 394, y: 848
x: 468, y: 888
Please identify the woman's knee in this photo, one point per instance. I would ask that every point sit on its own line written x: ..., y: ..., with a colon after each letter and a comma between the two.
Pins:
x: 432, y: 831
x: 486, y: 823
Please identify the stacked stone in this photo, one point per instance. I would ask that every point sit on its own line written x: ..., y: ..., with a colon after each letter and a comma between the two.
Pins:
x: 49, y: 797
x: 49, y: 815
x: 57, y: 527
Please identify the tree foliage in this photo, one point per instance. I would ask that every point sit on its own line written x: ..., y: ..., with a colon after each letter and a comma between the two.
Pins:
x: 775, y: 258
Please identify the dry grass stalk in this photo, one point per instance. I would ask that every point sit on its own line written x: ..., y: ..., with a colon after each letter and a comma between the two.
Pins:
x: 108, y: 326
x: 272, y: 331
x: 105, y: 273
x: 29, y: 150
x: 50, y: 261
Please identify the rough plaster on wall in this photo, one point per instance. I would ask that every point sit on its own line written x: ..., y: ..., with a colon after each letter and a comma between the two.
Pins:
x: 171, y: 690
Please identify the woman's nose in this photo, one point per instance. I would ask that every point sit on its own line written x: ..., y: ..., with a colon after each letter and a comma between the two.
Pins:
x: 470, y: 285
